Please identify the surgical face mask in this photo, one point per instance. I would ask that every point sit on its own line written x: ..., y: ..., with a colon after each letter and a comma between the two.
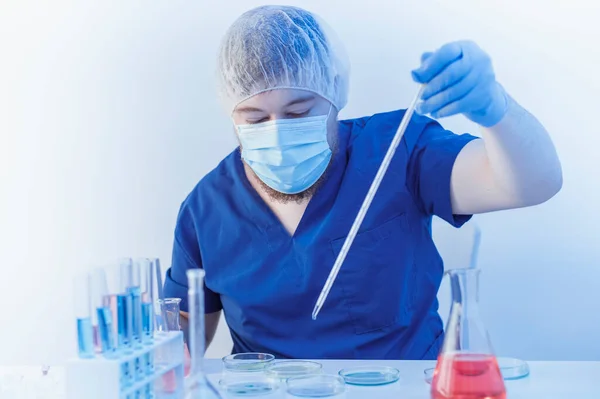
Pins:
x: 288, y: 155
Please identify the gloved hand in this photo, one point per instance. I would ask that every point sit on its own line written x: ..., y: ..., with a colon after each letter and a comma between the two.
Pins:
x: 460, y: 79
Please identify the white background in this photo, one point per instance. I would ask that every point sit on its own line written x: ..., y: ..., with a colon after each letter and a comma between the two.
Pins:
x: 108, y: 118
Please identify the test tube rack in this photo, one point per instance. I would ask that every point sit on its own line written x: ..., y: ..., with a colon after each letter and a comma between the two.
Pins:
x: 150, y: 371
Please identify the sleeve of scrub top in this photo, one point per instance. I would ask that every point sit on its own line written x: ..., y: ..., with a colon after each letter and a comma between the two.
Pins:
x: 430, y: 168
x: 184, y: 247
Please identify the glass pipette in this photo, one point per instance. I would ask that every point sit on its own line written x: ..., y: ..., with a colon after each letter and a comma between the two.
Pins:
x: 366, y: 203
x: 476, y: 243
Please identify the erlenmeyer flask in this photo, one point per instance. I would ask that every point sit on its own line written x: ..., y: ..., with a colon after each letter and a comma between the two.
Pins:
x: 197, y: 385
x: 467, y: 367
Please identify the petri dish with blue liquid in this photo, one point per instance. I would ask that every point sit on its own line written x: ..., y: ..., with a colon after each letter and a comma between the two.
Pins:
x: 370, y: 375
x: 316, y: 386
x: 248, y: 385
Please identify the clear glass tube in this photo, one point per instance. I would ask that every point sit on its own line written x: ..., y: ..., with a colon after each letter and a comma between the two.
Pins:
x: 196, y: 304
x: 119, y: 302
x: 94, y: 292
x: 126, y: 270
x: 147, y: 293
x: 199, y: 387
x: 119, y: 279
x: 146, y: 275
x: 104, y: 313
x: 364, y: 208
x: 134, y: 289
x: 136, y: 274
x: 81, y: 301
x: 158, y: 294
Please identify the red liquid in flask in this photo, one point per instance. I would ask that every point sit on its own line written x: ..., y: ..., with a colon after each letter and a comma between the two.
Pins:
x: 467, y: 376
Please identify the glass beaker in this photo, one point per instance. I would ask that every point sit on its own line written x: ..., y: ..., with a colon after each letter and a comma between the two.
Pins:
x: 197, y: 385
x: 169, y: 307
x: 467, y: 367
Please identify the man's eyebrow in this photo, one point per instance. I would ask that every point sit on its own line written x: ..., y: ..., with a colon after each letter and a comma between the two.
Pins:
x: 298, y: 100
x: 248, y: 109
x: 301, y: 100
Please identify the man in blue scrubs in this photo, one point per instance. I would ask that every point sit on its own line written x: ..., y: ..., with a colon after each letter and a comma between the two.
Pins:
x: 267, y: 223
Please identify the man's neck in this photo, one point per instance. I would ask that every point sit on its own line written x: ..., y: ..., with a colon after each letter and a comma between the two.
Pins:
x: 289, y: 213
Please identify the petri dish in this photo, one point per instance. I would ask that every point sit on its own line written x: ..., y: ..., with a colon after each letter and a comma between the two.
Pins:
x: 246, y: 386
x: 429, y: 375
x: 247, y: 362
x: 511, y: 369
x: 316, y: 386
x: 284, y: 369
x: 369, y: 376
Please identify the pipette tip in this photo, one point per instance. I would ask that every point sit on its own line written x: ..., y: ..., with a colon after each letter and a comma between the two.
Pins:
x: 315, y: 312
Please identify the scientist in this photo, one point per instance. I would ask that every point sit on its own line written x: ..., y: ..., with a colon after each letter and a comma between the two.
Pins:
x: 267, y: 223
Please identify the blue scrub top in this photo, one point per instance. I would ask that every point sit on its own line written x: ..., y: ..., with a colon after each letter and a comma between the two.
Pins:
x: 383, y: 304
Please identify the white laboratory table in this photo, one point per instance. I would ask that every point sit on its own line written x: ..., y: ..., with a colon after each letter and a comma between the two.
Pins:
x: 548, y: 380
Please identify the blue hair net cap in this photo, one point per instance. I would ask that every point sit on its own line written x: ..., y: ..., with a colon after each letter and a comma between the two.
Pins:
x: 278, y: 47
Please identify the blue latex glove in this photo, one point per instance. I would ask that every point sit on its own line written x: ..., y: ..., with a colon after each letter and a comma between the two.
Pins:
x: 460, y: 79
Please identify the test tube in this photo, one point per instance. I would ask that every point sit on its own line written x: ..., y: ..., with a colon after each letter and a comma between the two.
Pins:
x: 125, y: 306
x: 85, y: 342
x: 147, y: 311
x: 147, y: 292
x: 119, y: 302
x: 134, y: 289
x: 130, y: 282
x: 160, y: 315
x: 104, y: 314
x: 94, y: 317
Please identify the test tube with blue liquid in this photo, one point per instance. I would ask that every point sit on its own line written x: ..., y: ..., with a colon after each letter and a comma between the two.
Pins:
x: 135, y: 290
x: 147, y: 296
x: 102, y: 308
x: 130, y: 281
x: 125, y: 306
x: 85, y: 340
x: 94, y: 316
x: 147, y: 311
x: 119, y: 302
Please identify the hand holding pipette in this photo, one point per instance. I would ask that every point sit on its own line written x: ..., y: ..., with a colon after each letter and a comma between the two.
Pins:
x: 460, y: 79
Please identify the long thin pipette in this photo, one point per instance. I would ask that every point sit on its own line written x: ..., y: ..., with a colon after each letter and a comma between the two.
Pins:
x: 476, y: 243
x: 366, y: 203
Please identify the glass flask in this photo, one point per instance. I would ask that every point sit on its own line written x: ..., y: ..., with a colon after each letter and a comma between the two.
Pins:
x: 197, y: 385
x: 169, y: 307
x: 466, y: 367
